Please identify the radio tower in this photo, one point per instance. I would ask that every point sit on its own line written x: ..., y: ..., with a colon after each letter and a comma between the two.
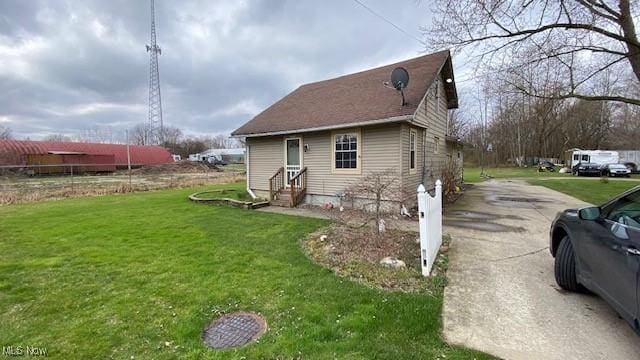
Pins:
x: 155, y: 134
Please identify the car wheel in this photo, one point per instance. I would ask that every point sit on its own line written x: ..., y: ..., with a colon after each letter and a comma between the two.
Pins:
x: 565, y: 266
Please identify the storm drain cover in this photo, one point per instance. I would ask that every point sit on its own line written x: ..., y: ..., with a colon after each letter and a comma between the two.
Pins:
x: 235, y: 329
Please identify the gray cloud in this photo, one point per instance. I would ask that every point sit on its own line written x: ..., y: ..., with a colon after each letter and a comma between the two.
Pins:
x: 66, y: 66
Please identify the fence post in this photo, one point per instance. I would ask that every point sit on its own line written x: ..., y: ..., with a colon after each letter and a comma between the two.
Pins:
x: 71, y: 177
x: 422, y: 222
x: 430, y: 222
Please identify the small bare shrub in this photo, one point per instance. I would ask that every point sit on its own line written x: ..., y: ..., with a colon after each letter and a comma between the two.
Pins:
x: 373, y: 190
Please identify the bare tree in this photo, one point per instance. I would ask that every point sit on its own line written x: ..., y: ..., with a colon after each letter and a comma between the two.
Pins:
x: 374, y: 189
x: 58, y: 138
x: 221, y: 141
x: 5, y: 133
x: 172, y: 137
x: 456, y: 123
x: 139, y: 134
x: 97, y: 134
x: 584, y: 39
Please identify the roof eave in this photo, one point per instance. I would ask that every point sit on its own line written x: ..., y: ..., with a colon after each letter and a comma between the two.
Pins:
x: 328, y: 127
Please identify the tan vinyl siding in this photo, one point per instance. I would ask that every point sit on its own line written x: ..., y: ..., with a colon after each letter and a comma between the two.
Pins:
x: 379, y: 150
x: 266, y: 156
x: 434, y: 121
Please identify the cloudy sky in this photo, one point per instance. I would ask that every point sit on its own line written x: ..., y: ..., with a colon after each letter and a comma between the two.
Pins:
x: 70, y: 65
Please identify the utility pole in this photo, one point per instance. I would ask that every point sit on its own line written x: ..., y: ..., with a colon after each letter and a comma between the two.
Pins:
x: 155, y: 102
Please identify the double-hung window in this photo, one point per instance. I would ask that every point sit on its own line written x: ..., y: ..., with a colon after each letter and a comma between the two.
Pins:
x: 346, y: 151
x: 412, y: 150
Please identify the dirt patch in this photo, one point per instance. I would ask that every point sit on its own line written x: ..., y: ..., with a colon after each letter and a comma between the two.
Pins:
x: 355, y: 252
x: 178, y: 167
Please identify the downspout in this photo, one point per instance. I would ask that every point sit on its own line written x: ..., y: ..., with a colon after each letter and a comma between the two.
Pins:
x: 251, y: 193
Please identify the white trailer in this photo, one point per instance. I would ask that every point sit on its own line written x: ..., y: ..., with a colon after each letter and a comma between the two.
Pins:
x: 630, y: 159
x: 601, y: 157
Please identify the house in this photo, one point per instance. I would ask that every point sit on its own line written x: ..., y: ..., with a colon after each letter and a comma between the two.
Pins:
x: 314, y: 143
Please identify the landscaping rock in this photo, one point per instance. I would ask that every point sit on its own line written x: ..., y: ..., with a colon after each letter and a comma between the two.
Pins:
x: 323, y: 238
x: 392, y: 262
x: 329, y: 249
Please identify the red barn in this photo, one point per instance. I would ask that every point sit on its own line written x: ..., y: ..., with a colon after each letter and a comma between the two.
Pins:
x: 18, y: 152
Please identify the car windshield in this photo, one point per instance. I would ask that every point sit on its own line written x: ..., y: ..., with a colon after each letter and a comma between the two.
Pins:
x: 617, y: 166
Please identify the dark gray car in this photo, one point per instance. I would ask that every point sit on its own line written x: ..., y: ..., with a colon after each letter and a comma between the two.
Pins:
x: 598, y: 248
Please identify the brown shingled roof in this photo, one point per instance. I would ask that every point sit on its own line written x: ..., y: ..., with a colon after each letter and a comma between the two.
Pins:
x: 353, y: 98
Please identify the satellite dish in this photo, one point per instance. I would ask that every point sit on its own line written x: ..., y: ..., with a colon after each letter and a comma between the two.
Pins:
x: 399, y: 78
x: 399, y: 81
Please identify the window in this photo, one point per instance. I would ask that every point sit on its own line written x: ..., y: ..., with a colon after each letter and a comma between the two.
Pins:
x: 576, y: 157
x: 412, y: 150
x: 437, y: 94
x: 626, y: 211
x: 345, y: 151
x: 585, y: 158
x: 436, y: 141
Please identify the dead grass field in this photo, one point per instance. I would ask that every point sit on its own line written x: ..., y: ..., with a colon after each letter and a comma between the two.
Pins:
x: 23, y: 189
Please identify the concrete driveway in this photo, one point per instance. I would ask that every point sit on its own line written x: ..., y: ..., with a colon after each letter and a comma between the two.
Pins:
x: 502, y: 297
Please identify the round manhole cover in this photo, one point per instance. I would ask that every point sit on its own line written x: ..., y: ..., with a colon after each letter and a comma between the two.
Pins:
x: 235, y: 329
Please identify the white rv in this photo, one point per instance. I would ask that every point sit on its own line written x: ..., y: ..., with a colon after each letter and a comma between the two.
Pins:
x: 601, y: 157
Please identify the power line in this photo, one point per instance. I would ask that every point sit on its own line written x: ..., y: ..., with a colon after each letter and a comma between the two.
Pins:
x: 389, y: 22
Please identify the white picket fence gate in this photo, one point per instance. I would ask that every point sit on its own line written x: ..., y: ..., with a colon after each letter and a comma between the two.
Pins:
x: 430, y: 220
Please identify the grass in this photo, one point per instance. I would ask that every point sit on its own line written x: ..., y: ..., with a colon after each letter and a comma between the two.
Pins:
x: 141, y: 275
x: 592, y: 191
x: 472, y: 174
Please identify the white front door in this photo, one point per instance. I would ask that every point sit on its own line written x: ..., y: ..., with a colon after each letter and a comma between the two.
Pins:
x: 293, y: 157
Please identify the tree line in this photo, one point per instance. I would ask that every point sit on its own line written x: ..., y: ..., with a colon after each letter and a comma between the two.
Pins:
x: 174, y: 139
x: 550, y: 75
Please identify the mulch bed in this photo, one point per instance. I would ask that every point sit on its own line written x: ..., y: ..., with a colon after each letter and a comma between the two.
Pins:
x: 355, y: 252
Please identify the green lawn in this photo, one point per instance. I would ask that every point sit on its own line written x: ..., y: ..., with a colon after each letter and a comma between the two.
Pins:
x: 590, y: 190
x: 472, y: 174
x: 141, y: 275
